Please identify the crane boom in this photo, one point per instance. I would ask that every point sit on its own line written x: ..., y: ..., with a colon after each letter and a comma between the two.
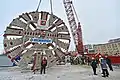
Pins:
x: 75, y: 29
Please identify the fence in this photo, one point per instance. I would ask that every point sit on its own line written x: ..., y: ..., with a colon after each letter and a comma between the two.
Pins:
x: 114, y: 59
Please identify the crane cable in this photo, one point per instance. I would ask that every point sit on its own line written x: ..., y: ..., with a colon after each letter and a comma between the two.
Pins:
x: 51, y: 7
x: 2, y: 34
x: 38, y: 6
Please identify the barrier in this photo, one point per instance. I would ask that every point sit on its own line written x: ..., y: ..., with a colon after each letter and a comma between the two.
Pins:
x: 114, y: 59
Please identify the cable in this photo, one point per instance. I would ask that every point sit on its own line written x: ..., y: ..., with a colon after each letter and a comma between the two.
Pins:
x: 51, y: 7
x: 2, y: 34
x: 38, y: 6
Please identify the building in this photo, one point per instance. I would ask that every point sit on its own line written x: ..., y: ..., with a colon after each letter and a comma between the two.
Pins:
x: 114, y: 40
x: 88, y: 48
x: 110, y: 48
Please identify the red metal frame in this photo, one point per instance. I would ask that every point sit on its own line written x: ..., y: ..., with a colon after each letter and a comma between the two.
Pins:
x: 76, y: 30
x: 80, y: 42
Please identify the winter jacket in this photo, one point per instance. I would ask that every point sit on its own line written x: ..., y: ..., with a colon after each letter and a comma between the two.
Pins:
x: 94, y: 63
x: 44, y: 62
x: 108, y: 61
x: 103, y: 64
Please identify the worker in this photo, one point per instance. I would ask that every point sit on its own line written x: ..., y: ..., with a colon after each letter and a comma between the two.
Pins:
x: 43, y: 65
x: 104, y: 67
x: 109, y: 63
x: 94, y: 65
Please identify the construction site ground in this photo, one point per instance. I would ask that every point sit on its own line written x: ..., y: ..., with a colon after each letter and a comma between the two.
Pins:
x: 60, y: 72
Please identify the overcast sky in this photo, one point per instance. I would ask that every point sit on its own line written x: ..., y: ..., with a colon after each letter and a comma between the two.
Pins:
x: 99, y: 18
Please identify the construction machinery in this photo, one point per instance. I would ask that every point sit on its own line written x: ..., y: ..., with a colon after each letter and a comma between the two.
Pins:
x: 75, y: 26
x: 35, y: 34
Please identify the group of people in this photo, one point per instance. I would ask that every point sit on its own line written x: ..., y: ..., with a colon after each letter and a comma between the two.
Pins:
x: 104, y: 62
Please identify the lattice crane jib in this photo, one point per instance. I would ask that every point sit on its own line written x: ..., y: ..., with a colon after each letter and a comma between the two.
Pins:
x: 70, y: 17
x: 75, y: 28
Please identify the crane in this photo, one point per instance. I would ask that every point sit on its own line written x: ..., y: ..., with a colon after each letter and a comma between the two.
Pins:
x: 74, y: 25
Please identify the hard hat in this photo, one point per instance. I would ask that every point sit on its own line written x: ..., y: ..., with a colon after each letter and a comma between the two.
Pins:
x: 93, y: 58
